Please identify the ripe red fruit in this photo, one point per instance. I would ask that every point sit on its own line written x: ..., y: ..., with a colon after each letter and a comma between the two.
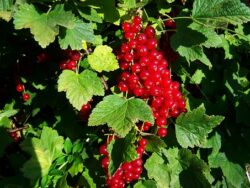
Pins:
x: 137, y: 20
x: 149, y: 32
x: 126, y: 26
x: 162, y: 132
x: 123, y: 87
x: 143, y: 142
x: 103, y: 150
x: 26, y: 97
x: 170, y: 24
x: 20, y: 87
x: 105, y: 162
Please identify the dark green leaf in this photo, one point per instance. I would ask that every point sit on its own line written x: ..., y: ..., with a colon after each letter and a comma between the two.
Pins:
x: 192, y: 128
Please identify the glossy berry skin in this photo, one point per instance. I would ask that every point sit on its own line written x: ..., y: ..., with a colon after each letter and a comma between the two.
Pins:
x: 20, y: 88
x: 162, y: 132
x: 26, y: 97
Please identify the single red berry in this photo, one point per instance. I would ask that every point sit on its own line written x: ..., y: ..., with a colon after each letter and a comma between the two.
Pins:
x: 162, y: 132
x: 137, y: 20
x: 105, y: 162
x: 20, y: 87
x: 26, y: 97
x: 123, y: 87
x: 149, y: 31
x: 143, y: 142
x: 126, y: 26
x: 103, y: 150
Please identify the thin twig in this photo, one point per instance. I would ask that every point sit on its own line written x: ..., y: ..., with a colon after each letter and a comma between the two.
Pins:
x: 18, y: 129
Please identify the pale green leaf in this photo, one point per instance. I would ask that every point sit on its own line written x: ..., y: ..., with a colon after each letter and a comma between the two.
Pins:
x: 88, y: 178
x: 45, y: 26
x: 80, y: 88
x: 157, y: 170
x: 73, y: 37
x: 43, y: 151
x: 76, y: 167
x: 102, y: 59
x: 221, y: 11
x: 120, y: 114
x: 90, y: 14
x: 197, y: 77
x: 192, y: 128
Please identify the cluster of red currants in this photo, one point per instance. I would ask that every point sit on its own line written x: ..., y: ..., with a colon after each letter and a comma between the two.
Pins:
x: 146, y: 74
x: 128, y: 171
x: 21, y: 89
x: 71, y: 59
x: 15, y: 136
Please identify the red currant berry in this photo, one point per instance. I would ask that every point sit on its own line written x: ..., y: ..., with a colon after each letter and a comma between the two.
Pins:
x: 137, y: 20
x: 123, y: 87
x: 126, y: 27
x: 20, y: 87
x: 26, y: 96
x: 162, y: 132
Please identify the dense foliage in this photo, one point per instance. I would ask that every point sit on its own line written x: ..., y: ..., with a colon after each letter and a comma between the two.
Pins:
x: 124, y: 93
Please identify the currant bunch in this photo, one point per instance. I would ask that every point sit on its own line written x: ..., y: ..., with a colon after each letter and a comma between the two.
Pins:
x: 15, y: 136
x: 70, y: 60
x: 128, y: 171
x: 145, y: 74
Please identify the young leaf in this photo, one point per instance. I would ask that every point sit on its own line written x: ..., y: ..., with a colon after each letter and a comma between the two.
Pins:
x: 221, y: 11
x: 102, y: 59
x: 120, y: 114
x: 43, y: 152
x: 80, y: 88
x: 192, y: 128
x: 73, y: 37
x: 121, y: 150
x: 157, y: 170
x: 45, y: 26
x: 68, y: 146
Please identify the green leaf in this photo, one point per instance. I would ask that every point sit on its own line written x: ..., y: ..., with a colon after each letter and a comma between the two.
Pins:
x: 68, y: 146
x: 157, y: 170
x: 102, y: 59
x: 145, y: 184
x: 76, y: 167
x: 129, y: 4
x: 155, y: 143
x: 80, y: 88
x: 192, y: 128
x: 221, y: 11
x: 90, y: 14
x: 6, y: 7
x: 88, y: 178
x: 5, y: 114
x: 188, y: 42
x: 213, y: 39
x: 174, y: 165
x: 45, y: 26
x: 121, y: 150
x: 215, y: 143
x: 120, y: 114
x: 73, y: 37
x: 197, y: 77
x: 233, y: 173
x: 43, y: 152
x: 193, y: 168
